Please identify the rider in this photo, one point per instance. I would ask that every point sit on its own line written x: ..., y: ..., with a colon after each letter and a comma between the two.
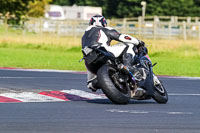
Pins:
x: 99, y: 35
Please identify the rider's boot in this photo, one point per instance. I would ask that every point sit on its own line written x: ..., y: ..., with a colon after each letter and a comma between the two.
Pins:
x: 128, y: 67
x: 93, y: 85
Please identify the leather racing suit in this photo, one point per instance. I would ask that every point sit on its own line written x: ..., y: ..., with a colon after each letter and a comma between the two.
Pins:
x: 102, y: 36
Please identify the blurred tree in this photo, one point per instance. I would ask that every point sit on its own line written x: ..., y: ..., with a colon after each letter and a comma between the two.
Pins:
x: 129, y: 8
x: 173, y: 7
x: 133, y: 8
x: 154, y: 8
x: 37, y: 8
x: 62, y: 2
x: 178, y: 7
x: 197, y: 2
x: 16, y: 8
x: 111, y: 8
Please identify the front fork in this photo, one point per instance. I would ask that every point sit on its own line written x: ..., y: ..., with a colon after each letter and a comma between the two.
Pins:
x: 156, y: 80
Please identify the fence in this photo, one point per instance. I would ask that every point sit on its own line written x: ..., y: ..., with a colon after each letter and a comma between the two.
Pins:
x: 160, y: 27
x: 155, y: 27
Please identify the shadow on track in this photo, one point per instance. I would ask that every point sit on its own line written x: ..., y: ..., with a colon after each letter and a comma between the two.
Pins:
x: 107, y: 101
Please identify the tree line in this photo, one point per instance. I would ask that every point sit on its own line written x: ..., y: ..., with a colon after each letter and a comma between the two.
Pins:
x: 20, y: 9
x: 133, y: 8
x: 13, y: 11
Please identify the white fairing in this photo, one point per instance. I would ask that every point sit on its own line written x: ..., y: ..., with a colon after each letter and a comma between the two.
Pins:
x: 115, y: 49
x: 119, y: 48
x: 130, y: 49
x: 132, y: 39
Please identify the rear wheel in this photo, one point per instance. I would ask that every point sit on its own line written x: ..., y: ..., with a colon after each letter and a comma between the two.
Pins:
x: 117, y: 92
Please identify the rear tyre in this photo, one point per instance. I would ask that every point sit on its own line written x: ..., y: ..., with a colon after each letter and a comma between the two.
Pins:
x: 116, y: 92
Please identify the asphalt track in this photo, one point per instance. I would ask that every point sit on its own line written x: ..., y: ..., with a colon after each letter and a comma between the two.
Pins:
x: 180, y: 115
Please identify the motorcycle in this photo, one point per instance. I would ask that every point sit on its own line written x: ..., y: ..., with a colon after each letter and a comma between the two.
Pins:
x: 120, y: 87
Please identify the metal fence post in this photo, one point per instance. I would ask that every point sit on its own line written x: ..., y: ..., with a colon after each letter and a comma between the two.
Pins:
x: 199, y: 30
x: 124, y: 25
x: 170, y: 30
x: 189, y: 31
x: 155, y: 27
x: 139, y: 26
x: 188, y: 20
x: 196, y: 19
x: 108, y: 22
x: 40, y: 26
x: 184, y: 31
x: 57, y: 27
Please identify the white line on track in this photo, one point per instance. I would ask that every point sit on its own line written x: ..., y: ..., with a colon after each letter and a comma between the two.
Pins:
x: 179, y: 113
x: 83, y: 72
x: 22, y: 77
x: 46, y: 70
x: 178, y: 94
x: 179, y: 77
x: 148, y: 112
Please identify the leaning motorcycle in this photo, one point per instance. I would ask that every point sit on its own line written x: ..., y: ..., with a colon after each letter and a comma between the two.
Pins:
x: 120, y: 87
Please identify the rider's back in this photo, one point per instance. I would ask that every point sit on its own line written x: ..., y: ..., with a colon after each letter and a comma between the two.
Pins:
x: 94, y: 33
x: 91, y: 36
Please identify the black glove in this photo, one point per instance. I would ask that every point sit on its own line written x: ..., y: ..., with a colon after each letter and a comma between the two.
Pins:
x: 141, y: 43
x: 143, y: 50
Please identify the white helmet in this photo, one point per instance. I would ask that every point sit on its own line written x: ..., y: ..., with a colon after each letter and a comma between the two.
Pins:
x: 98, y: 20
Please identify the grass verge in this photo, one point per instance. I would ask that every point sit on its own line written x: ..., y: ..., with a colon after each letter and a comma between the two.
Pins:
x: 41, y: 59
x: 17, y: 49
x: 67, y: 59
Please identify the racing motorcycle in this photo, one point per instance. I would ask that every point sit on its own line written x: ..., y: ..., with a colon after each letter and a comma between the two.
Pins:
x: 119, y: 86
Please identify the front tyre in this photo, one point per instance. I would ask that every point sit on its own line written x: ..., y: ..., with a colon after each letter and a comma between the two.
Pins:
x: 160, y: 95
x: 116, y: 92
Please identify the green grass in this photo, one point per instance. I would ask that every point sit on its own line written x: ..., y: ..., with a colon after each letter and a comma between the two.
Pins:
x: 41, y: 59
x: 169, y: 63
x: 49, y: 51
x: 176, y: 66
x: 178, y: 62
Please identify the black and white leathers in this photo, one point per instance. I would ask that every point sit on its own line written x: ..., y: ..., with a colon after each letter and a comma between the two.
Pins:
x: 102, y: 36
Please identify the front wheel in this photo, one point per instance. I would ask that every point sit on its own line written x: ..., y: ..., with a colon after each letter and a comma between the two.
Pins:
x: 160, y: 95
x: 107, y: 79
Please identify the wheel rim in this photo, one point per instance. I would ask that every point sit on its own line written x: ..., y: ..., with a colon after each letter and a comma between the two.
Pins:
x: 160, y: 89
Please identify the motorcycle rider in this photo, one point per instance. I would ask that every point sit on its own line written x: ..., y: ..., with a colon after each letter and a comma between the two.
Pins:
x: 99, y: 35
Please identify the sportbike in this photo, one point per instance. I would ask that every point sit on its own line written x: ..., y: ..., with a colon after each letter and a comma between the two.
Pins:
x: 119, y: 86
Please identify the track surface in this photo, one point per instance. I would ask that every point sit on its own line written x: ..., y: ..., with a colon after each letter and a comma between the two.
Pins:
x: 180, y: 115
